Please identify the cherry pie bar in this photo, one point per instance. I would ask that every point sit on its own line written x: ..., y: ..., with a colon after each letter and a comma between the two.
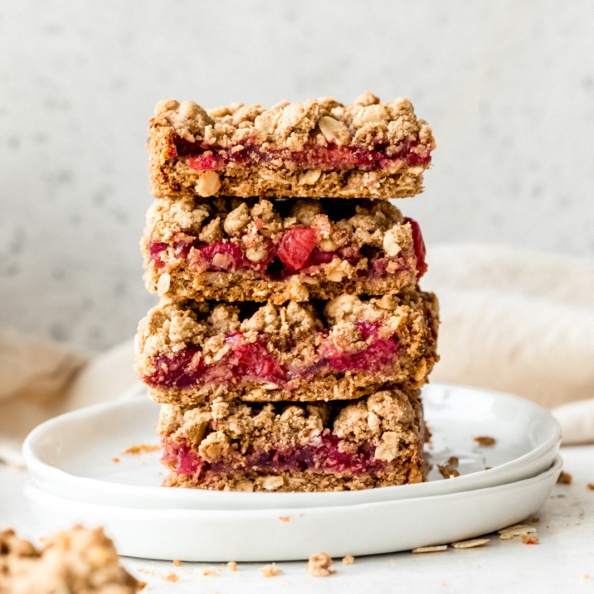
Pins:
x: 375, y: 441
x: 318, y: 148
x: 255, y: 249
x: 190, y: 353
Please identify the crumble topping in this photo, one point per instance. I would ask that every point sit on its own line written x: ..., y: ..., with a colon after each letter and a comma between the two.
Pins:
x: 362, y: 222
x: 225, y: 427
x: 365, y: 122
x: 77, y: 560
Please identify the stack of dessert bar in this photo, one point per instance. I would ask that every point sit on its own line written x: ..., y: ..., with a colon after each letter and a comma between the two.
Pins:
x: 291, y: 339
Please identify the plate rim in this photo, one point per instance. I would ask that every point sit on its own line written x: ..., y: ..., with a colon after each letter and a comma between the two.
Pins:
x: 45, y: 474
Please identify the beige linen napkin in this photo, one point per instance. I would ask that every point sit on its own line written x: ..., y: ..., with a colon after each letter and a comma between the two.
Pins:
x: 512, y: 320
x: 519, y: 322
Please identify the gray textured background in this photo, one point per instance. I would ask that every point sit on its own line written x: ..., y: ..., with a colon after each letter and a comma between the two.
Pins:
x: 508, y: 87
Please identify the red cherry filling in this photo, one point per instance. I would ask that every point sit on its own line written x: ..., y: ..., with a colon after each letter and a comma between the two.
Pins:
x: 419, y: 243
x: 313, y: 156
x: 296, y: 246
x: 224, y: 255
x: 248, y: 362
x: 323, y: 454
x: 206, y: 162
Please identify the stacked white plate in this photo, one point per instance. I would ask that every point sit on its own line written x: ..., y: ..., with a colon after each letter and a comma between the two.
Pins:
x: 80, y: 474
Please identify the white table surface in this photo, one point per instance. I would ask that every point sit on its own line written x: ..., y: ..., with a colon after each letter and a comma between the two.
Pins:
x: 563, y: 561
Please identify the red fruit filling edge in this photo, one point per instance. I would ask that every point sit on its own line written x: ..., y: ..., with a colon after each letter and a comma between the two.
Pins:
x: 204, y: 157
x: 296, y: 252
x: 251, y: 362
x: 323, y: 454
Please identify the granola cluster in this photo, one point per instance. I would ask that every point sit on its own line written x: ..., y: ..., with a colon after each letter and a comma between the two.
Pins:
x: 79, y: 560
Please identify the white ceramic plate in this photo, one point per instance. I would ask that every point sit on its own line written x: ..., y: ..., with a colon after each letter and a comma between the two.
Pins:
x: 72, y: 455
x: 285, y: 534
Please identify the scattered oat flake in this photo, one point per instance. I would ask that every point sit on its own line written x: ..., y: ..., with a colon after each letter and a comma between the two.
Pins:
x: 585, y: 576
x: 319, y: 565
x: 432, y: 549
x: 135, y: 450
x: 527, y: 539
x: 285, y: 519
x: 517, y: 530
x: 485, y: 440
x: 210, y: 571
x: 564, y: 478
x: 172, y: 577
x: 231, y: 566
x: 470, y: 544
x: 590, y: 486
x: 177, y: 563
x: 348, y: 560
x: 270, y: 570
x: 116, y: 460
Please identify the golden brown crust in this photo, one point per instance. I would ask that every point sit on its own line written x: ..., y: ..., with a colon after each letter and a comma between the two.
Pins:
x: 388, y: 424
x: 178, y: 179
x: 280, y: 131
x: 296, y: 336
x: 376, y: 238
x: 78, y: 560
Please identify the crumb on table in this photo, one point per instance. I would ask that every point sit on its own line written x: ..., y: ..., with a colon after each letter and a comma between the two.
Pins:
x: 485, y: 440
x: 348, y: 560
x: 564, y: 478
x: 319, y: 565
x: 137, y: 449
x: 270, y: 570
